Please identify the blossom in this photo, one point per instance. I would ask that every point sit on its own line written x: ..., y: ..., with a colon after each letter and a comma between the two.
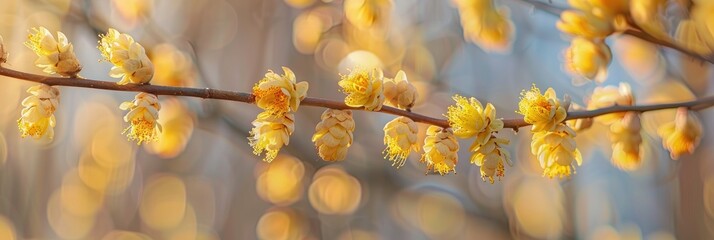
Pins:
x: 440, y: 150
x: 3, y: 52
x: 626, y: 142
x: 608, y: 96
x: 400, y: 137
x: 333, y: 135
x: 363, y: 88
x: 488, y: 27
x: 38, y: 119
x: 490, y: 158
x: 172, y: 66
x: 650, y: 16
x: 683, y: 135
x: 556, y: 151
x: 142, y: 116
x: 364, y: 14
x: 399, y: 92
x: 54, y: 55
x: 602, y: 8
x: 131, y: 63
x: 279, y: 94
x: 468, y: 118
x: 588, y: 59
x: 541, y: 110
x: 270, y: 133
x: 584, y: 25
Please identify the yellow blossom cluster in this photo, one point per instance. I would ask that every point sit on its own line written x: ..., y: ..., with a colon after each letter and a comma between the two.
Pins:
x: 279, y: 96
x: 54, y: 55
x: 486, y: 25
x: 440, y: 150
x: 400, y: 137
x: 38, y: 119
x: 543, y: 110
x: 490, y: 158
x: 611, y: 96
x: 626, y: 142
x: 683, y: 135
x: 333, y: 135
x: 143, y: 115
x: 364, y: 88
x: 131, y: 63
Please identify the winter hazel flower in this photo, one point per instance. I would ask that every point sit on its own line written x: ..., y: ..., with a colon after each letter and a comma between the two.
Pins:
x: 608, y: 96
x: 363, y: 88
x: 588, y: 59
x: 38, y: 119
x: 142, y: 115
x: 399, y: 92
x: 270, y: 133
x: 400, y: 137
x: 490, y: 158
x: 556, y: 151
x: 440, y: 150
x: 131, y: 63
x: 468, y: 118
x: 683, y: 135
x: 626, y: 141
x: 55, y: 56
x: 333, y: 135
x: 279, y: 94
x: 541, y: 110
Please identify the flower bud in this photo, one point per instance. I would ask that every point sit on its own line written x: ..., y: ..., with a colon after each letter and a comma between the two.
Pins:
x: 626, y: 142
x: 683, y: 135
x: 333, y: 135
x: 440, y: 150
x: 400, y: 137
x: 399, y: 92
x: 55, y: 56
x: 587, y: 59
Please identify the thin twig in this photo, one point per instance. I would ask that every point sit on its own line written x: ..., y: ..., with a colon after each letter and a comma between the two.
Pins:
x: 208, y: 93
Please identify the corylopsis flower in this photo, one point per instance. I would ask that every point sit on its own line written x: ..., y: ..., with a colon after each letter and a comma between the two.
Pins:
x: 38, y: 119
x: 541, y: 110
x: 608, y: 96
x: 468, y: 118
x: 588, y: 59
x: 131, y: 63
x: 556, y: 151
x: 142, y: 116
x: 400, y: 137
x: 490, y: 157
x: 270, y: 133
x: 279, y: 94
x: 683, y: 135
x: 440, y: 150
x: 333, y: 135
x: 399, y: 92
x: 626, y: 142
x: 364, y: 88
x: 54, y: 55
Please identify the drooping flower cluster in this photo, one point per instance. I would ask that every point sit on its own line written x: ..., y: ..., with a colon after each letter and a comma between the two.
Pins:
x: 610, y: 96
x: 399, y: 92
x: 333, y: 135
x: 38, y: 119
x: 142, y: 117
x: 54, y: 55
x: 364, y: 88
x: 541, y: 110
x: 485, y: 25
x: 683, y: 135
x: 131, y: 63
x: 587, y: 59
x: 490, y: 158
x: 626, y: 142
x: 400, y: 137
x: 279, y: 96
x: 440, y: 150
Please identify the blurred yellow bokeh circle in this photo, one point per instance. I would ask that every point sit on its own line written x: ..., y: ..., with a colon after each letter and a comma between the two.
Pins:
x: 280, y: 182
x: 163, y: 202
x: 333, y: 191
x: 281, y: 224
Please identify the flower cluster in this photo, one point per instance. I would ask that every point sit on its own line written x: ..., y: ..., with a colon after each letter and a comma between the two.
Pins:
x: 279, y: 96
x: 626, y: 142
x: 543, y: 110
x: 683, y: 135
x: 333, y: 135
x: 142, y: 115
x: 400, y: 137
x: 490, y: 158
x: 364, y: 88
x: 38, y: 119
x: 54, y: 55
x: 131, y: 63
x: 485, y: 25
x: 440, y: 150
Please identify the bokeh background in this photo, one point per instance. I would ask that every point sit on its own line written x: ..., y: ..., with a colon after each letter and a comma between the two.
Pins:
x: 201, y: 180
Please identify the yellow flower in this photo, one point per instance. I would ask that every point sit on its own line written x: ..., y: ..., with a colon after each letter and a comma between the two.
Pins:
x: 367, y: 13
x: 38, y: 119
x: 489, y: 28
x: 602, y: 8
x: 142, y: 116
x: 400, y: 137
x: 581, y: 24
x: 700, y: 15
x: 279, y: 94
x: 333, y: 135
x: 440, y: 150
x: 399, y: 92
x: 131, y: 63
x: 556, y: 151
x: 608, y: 96
x: 468, y: 118
x: 650, y: 16
x: 541, y: 110
x: 55, y: 56
x: 579, y: 124
x: 490, y: 158
x: 270, y: 133
x: 363, y: 89
x: 587, y: 59
x: 683, y: 135
x: 3, y: 52
x: 172, y: 66
x: 689, y: 37
x: 626, y: 142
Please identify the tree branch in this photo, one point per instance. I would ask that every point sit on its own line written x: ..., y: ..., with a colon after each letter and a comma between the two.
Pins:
x: 208, y: 93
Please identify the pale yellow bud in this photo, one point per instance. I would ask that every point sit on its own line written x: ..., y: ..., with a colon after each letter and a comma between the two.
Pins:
x: 626, y: 142
x: 683, y: 135
x: 489, y: 28
x: 333, y: 135
x: 143, y: 115
x: 270, y: 133
x: 440, y: 150
x: 490, y: 158
x: 54, y: 56
x: 131, y: 63
x: 364, y: 88
x: 399, y: 92
x: 400, y: 137
x: 608, y: 96
x: 585, y: 25
x: 556, y: 151
x: 38, y: 119
x: 588, y: 59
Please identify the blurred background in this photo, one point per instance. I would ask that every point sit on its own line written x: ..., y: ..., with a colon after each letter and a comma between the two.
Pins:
x: 201, y: 180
